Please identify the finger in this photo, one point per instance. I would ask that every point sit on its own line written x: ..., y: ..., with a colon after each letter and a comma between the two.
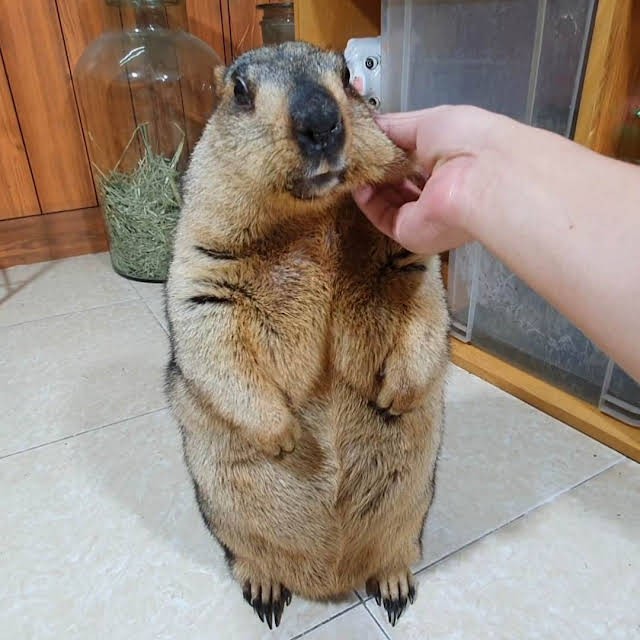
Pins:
x: 410, y: 223
x: 377, y: 206
x: 410, y: 190
x: 415, y: 229
x: 434, y: 134
x: 417, y: 180
x: 380, y: 204
x: 395, y: 194
x: 399, y: 194
x: 419, y: 133
x: 402, y: 128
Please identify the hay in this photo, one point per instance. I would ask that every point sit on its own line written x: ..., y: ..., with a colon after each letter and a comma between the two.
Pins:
x: 141, y: 210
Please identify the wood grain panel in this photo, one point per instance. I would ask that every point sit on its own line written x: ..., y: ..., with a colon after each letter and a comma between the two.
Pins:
x: 58, y: 235
x: 544, y: 396
x: 612, y: 61
x: 38, y: 72
x: 205, y: 22
x: 244, y: 26
x: 18, y: 193
x: 226, y: 31
x: 241, y: 26
x: 331, y: 23
x: 82, y: 22
x: 106, y: 113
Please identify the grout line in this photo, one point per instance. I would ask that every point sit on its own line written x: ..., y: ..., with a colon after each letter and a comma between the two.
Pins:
x: 5, y: 279
x: 329, y: 619
x: 536, y: 507
x: 146, y: 302
x: 82, y: 433
x: 71, y: 313
x: 556, y: 495
x: 155, y: 317
x: 377, y: 622
x: 519, y: 517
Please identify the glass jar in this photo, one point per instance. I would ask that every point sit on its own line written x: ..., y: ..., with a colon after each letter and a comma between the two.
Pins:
x: 278, y: 24
x: 145, y: 92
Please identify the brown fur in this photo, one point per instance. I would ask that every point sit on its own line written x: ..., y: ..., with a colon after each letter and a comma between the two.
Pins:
x: 309, y: 351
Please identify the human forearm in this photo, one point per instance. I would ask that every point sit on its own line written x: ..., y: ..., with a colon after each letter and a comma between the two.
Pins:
x: 567, y: 221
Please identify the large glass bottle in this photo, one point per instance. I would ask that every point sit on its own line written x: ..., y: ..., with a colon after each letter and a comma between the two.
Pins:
x: 145, y: 91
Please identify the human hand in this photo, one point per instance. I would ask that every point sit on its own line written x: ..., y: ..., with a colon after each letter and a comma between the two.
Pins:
x: 458, y: 151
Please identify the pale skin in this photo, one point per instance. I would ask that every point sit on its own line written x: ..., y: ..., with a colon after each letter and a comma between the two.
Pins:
x: 564, y: 219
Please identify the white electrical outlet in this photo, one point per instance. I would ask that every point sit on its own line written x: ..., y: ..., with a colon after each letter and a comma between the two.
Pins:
x: 363, y: 56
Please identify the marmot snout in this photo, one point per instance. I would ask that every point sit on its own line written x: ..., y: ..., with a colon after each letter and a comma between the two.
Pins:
x: 308, y: 350
x: 299, y: 127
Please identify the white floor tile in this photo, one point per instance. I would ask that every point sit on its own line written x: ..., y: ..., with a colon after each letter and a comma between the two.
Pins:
x: 53, y: 288
x: 101, y: 538
x: 157, y: 307
x: 63, y: 375
x: 570, y: 569
x: 149, y: 290
x: 355, y: 624
x: 500, y: 458
x: 153, y: 295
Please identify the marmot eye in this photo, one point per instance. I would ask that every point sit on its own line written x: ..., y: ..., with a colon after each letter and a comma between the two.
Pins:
x: 346, y: 76
x: 242, y: 93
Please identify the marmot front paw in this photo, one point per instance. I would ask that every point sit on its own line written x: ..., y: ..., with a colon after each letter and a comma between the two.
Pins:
x: 278, y: 440
x: 403, y: 386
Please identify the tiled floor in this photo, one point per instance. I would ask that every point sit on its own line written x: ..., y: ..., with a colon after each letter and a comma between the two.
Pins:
x: 535, y: 531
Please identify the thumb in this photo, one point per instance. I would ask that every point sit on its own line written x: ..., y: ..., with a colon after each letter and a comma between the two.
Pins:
x: 407, y: 131
x: 417, y: 231
x: 401, y: 128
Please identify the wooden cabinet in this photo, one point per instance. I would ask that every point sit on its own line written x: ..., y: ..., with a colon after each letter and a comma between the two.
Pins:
x: 36, y: 64
x: 48, y: 203
x: 18, y: 193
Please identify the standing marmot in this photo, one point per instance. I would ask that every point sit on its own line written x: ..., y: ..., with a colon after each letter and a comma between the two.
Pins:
x: 308, y: 350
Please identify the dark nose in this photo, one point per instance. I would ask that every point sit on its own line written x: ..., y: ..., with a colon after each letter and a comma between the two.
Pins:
x: 317, y: 121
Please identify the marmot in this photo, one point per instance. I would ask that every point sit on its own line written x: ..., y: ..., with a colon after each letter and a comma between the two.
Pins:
x: 308, y: 350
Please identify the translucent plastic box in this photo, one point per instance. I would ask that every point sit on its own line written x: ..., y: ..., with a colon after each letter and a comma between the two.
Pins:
x: 522, y: 58
x: 494, y: 309
x: 525, y: 59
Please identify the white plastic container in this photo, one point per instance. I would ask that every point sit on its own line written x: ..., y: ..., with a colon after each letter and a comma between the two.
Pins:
x: 494, y: 309
x: 522, y: 58
x: 525, y: 59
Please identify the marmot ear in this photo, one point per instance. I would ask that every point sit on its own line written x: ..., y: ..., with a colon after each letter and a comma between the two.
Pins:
x: 218, y: 80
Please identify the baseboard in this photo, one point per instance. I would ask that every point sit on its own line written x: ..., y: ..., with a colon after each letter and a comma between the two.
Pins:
x: 51, y: 236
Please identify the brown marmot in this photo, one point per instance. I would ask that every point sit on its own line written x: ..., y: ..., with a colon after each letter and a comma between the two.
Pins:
x: 308, y: 350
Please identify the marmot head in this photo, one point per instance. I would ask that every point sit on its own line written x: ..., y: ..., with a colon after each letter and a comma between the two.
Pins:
x: 289, y: 124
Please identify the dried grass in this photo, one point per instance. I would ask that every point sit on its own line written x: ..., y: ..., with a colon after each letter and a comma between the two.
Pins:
x: 141, y: 209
